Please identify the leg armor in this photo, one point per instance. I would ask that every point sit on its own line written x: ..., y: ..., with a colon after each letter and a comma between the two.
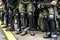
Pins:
x: 16, y: 21
x: 47, y: 25
x: 24, y: 20
x: 24, y: 23
x: 53, y: 25
x: 30, y: 15
x: 3, y: 16
x: 5, y: 21
x: 10, y: 20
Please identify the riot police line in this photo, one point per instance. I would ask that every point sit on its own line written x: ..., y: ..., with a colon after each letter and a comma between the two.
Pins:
x: 20, y: 16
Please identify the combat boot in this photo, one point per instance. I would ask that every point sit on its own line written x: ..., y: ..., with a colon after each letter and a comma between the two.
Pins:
x: 48, y: 35
x: 32, y: 33
x: 24, y: 33
x: 18, y: 31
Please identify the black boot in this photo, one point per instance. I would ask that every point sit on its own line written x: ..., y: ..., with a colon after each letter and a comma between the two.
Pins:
x: 8, y: 29
x: 48, y: 35
x: 24, y: 33
x: 18, y: 31
x: 32, y: 33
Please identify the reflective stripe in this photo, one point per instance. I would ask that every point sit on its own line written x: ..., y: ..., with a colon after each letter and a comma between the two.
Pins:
x: 26, y: 29
x: 54, y: 35
x: 51, y: 16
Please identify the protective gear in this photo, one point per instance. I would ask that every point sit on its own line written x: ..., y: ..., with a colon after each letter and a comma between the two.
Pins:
x: 50, y: 25
x: 2, y: 10
x: 26, y: 11
x: 10, y: 7
x: 5, y: 19
x: 48, y: 35
x: 10, y: 22
x: 17, y: 23
x: 24, y: 18
x: 23, y: 33
x: 50, y: 18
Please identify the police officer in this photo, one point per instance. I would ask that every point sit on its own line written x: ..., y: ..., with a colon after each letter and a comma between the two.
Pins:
x: 10, y: 7
x: 7, y: 17
x: 26, y: 9
x: 48, y: 12
x: 2, y: 9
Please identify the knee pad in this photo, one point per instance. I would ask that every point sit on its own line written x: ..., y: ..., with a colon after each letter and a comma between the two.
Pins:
x: 22, y: 14
x: 30, y: 13
x: 16, y: 14
x: 51, y: 17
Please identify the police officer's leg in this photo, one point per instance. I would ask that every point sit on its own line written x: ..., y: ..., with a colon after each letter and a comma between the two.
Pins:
x: 17, y: 23
x: 9, y: 21
x: 47, y: 27
x: 53, y: 26
x: 36, y: 15
x: 6, y: 19
x: 47, y: 23
x: 30, y: 10
x: 52, y: 18
x: 10, y: 26
x: 1, y: 15
x: 31, y: 24
x: 2, y: 19
x: 24, y: 24
x: 23, y: 19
